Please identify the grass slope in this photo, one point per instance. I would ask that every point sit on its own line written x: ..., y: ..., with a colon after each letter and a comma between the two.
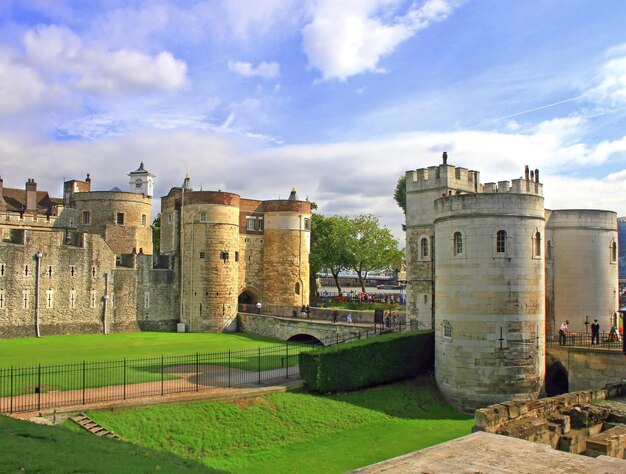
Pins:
x: 296, y: 432
x: 62, y: 349
x: 55, y: 449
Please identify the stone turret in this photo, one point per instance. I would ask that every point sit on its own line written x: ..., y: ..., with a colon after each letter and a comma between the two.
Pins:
x: 142, y: 181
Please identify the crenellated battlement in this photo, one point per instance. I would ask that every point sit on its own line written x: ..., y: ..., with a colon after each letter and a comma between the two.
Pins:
x: 443, y: 176
x: 515, y: 186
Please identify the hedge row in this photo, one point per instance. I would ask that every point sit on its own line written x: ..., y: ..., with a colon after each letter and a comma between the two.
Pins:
x: 359, y: 364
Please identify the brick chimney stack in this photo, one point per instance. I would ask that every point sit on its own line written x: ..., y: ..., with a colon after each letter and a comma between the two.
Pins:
x: 31, y: 195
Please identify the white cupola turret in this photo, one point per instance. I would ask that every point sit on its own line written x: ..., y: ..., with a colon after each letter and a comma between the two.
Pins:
x: 142, y: 181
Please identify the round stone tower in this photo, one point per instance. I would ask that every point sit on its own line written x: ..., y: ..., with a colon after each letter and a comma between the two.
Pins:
x: 287, y: 245
x: 210, y: 259
x: 490, y: 290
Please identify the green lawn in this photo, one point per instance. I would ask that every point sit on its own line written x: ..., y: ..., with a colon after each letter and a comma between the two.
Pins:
x: 97, y: 360
x: 296, y: 432
x: 90, y: 347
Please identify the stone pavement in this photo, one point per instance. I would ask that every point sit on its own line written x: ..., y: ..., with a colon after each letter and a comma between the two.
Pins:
x: 488, y: 453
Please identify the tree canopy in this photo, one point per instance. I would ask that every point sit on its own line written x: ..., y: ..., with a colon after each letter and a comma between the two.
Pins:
x: 400, y: 193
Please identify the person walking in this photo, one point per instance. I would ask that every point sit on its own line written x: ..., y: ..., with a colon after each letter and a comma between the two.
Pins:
x: 258, y: 308
x: 595, y: 332
x: 563, y: 332
x: 307, y: 310
x: 349, y: 318
x: 335, y: 315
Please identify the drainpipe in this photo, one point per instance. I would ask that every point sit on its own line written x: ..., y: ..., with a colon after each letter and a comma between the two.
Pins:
x: 180, y: 253
x: 39, y: 255
x: 106, y: 301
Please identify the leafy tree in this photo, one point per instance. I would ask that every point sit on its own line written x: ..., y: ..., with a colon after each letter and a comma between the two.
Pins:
x: 400, y: 193
x: 329, y: 245
x: 156, y: 235
x: 371, y: 247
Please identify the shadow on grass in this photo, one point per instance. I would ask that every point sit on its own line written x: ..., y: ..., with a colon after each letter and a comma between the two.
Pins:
x: 418, y: 398
x: 27, y: 447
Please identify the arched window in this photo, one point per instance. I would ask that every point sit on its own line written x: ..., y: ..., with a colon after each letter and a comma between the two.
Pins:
x: 501, y: 241
x: 297, y: 288
x: 424, y: 247
x: 447, y: 329
x: 613, y: 252
x: 458, y: 243
x: 537, y: 245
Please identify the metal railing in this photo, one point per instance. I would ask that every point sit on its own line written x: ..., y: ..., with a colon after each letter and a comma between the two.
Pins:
x: 605, y: 340
x: 40, y: 387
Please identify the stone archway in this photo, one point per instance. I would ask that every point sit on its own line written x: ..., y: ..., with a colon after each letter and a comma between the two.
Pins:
x: 305, y: 339
x: 248, y: 299
x: 557, y: 379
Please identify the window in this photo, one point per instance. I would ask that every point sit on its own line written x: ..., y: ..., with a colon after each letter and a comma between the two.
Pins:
x: 297, y: 289
x: 138, y: 183
x: 93, y: 272
x: 3, y: 299
x: 203, y: 217
x: 261, y: 225
x: 307, y: 223
x: 49, y: 271
x: 26, y: 270
x: 72, y: 271
x: 447, y: 329
x: 49, y: 300
x: 250, y: 225
x: 72, y: 298
x: 1, y: 269
x: 458, y: 243
x: 236, y: 256
x: 537, y: 245
x: 169, y: 218
x: 202, y: 255
x: 613, y: 252
x: 71, y: 222
x: 92, y: 299
x: 143, y: 220
x: 86, y: 217
x: 426, y: 299
x: 501, y: 241
x: 25, y: 299
x: 119, y: 218
x: 146, y: 299
x: 424, y: 247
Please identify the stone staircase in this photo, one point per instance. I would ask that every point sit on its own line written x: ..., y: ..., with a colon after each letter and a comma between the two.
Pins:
x: 94, y: 428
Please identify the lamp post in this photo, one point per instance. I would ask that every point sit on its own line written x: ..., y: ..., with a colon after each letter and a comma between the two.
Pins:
x: 39, y: 256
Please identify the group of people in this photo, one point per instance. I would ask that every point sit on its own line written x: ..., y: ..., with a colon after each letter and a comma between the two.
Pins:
x: 595, y: 332
x: 336, y: 317
x: 391, y: 319
x: 305, y: 312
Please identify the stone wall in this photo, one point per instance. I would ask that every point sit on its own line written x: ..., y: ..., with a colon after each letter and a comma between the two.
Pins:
x: 588, y: 367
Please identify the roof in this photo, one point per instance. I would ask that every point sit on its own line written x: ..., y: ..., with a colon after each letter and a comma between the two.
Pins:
x: 141, y: 170
x: 15, y: 200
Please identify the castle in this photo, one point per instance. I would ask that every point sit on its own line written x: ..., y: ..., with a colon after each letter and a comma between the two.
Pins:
x: 495, y: 273
x: 83, y: 263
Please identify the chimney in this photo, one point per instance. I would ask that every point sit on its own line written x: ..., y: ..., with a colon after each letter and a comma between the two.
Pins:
x: 536, y: 176
x: 31, y: 195
x: 526, y: 173
x: 88, y: 181
x: 445, y: 157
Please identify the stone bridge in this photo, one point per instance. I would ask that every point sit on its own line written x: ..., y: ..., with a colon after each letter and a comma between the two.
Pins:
x: 571, y: 368
x: 299, y: 330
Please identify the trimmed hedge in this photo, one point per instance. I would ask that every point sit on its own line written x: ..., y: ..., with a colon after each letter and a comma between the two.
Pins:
x: 359, y: 364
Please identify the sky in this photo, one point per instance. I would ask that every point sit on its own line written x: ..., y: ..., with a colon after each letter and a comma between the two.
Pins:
x: 336, y: 98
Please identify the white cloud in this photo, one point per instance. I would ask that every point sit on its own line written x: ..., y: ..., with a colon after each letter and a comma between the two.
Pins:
x: 611, y: 89
x: 20, y: 87
x: 263, y: 69
x: 350, y: 37
x: 59, y: 52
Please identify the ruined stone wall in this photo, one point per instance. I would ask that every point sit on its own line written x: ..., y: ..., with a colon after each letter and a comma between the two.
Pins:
x: 71, y: 284
x: 489, y: 304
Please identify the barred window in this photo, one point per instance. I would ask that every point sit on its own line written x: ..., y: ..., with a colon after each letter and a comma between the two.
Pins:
x: 458, y: 243
x: 501, y: 241
x: 447, y: 329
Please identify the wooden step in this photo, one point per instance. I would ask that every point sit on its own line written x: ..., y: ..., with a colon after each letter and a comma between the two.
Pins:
x: 92, y: 427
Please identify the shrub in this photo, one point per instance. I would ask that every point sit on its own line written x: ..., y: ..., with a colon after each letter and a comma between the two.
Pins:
x: 355, y: 365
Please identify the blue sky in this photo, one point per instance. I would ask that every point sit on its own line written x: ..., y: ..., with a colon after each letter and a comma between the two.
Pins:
x: 336, y: 98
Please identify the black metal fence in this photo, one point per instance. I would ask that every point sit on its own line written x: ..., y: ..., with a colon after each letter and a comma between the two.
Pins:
x: 605, y: 340
x: 40, y: 387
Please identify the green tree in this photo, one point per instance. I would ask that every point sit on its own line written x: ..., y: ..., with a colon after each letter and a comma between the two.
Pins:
x: 156, y: 235
x: 371, y: 247
x: 400, y: 193
x: 329, y: 249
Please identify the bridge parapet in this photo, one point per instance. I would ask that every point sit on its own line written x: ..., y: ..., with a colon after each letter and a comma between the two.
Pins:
x: 284, y: 328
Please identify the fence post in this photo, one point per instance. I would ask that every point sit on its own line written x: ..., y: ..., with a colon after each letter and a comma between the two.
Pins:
x: 229, y: 367
x: 124, y: 378
x: 259, y: 365
x: 287, y: 361
x: 197, y: 373
x: 337, y: 338
x: 83, y: 382
x: 39, y: 388
x: 11, y: 391
x: 162, y: 369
